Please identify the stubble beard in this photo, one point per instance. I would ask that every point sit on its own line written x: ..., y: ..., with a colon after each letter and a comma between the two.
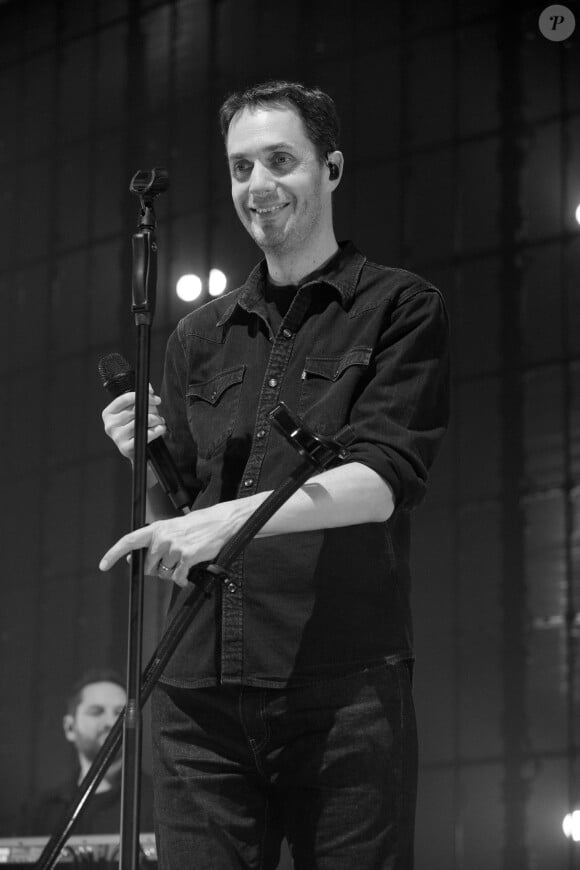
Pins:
x: 91, y: 746
x: 285, y: 239
x: 274, y: 241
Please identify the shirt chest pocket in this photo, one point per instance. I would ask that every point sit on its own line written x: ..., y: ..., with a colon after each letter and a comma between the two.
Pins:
x: 212, y: 409
x: 329, y: 387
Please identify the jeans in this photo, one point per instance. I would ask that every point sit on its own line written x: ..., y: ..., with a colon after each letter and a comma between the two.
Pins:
x: 331, y: 765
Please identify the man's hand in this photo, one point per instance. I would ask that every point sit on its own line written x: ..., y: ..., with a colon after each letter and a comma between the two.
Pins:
x: 119, y: 421
x: 342, y: 496
x: 179, y: 543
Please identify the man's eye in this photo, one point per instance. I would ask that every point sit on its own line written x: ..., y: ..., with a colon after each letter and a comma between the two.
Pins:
x: 241, y: 169
x: 282, y: 160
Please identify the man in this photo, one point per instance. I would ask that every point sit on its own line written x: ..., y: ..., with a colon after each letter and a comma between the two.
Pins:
x: 287, y: 709
x: 93, y: 706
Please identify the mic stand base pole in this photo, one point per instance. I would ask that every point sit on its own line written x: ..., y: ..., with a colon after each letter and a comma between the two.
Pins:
x: 144, y: 286
x: 132, y: 728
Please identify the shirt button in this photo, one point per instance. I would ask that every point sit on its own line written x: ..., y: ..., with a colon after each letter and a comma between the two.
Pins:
x: 248, y: 481
x: 273, y: 382
x: 260, y: 433
x: 287, y: 333
x: 232, y: 587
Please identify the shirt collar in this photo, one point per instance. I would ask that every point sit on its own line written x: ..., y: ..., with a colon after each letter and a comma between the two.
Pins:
x: 342, y: 273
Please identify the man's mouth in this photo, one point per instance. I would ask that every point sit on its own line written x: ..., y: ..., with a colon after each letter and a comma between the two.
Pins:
x: 269, y: 209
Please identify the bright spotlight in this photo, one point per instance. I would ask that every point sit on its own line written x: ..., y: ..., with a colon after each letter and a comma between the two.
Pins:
x: 217, y: 282
x: 578, y: 214
x: 571, y: 826
x: 188, y: 287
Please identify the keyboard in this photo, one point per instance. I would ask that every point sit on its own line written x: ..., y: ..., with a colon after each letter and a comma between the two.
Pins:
x: 80, y: 848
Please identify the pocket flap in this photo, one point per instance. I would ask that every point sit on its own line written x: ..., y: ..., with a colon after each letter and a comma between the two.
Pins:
x: 212, y: 390
x: 332, y: 367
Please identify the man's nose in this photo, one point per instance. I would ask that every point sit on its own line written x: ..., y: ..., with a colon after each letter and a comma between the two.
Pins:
x: 261, y: 179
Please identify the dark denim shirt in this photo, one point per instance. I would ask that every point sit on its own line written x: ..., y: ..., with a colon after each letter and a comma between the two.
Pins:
x: 361, y: 346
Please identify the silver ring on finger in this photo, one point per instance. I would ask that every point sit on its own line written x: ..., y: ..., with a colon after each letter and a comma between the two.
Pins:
x: 165, y: 571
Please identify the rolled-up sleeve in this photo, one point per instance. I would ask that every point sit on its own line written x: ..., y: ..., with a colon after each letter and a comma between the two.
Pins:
x: 400, y: 417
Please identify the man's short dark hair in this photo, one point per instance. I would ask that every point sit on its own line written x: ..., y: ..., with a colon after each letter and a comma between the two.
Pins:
x: 95, y: 675
x: 315, y: 107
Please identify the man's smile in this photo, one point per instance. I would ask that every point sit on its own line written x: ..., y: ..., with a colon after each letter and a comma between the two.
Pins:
x: 271, y: 209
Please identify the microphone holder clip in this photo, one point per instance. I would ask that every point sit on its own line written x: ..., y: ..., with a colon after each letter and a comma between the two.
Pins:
x: 147, y: 186
x: 314, y: 448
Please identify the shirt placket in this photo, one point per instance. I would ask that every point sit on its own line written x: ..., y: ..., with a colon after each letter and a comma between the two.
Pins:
x: 232, y: 615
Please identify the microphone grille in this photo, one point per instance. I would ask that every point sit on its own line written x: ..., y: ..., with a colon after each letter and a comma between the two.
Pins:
x: 113, y: 364
x: 116, y: 373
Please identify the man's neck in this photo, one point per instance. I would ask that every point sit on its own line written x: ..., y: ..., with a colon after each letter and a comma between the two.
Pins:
x: 291, y: 268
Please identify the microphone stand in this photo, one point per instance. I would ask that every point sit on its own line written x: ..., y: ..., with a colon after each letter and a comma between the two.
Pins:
x: 145, y: 185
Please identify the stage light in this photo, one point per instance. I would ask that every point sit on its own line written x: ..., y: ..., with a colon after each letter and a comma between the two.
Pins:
x: 188, y: 287
x: 578, y: 214
x: 571, y: 826
x: 217, y: 282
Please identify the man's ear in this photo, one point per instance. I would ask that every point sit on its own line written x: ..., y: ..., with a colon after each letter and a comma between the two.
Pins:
x: 335, y: 163
x: 68, y: 724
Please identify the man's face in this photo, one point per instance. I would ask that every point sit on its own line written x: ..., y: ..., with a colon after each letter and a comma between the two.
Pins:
x: 94, y: 717
x: 279, y: 184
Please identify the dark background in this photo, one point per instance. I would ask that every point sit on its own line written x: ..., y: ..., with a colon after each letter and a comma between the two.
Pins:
x: 461, y: 132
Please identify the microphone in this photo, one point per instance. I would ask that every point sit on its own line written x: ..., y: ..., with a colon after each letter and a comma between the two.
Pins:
x: 118, y: 377
x: 150, y: 184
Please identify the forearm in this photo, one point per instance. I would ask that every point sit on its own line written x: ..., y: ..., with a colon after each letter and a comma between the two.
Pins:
x: 347, y: 495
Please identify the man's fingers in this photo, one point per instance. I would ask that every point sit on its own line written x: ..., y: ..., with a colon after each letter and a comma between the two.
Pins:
x: 137, y: 540
x: 155, y: 555
x: 125, y: 403
x: 180, y: 574
x: 120, y: 403
x: 156, y: 431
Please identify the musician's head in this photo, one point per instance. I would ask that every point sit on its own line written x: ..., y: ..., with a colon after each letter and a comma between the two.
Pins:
x: 93, y: 706
x: 281, y: 140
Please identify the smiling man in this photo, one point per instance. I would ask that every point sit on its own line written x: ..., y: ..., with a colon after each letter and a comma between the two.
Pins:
x: 287, y: 709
